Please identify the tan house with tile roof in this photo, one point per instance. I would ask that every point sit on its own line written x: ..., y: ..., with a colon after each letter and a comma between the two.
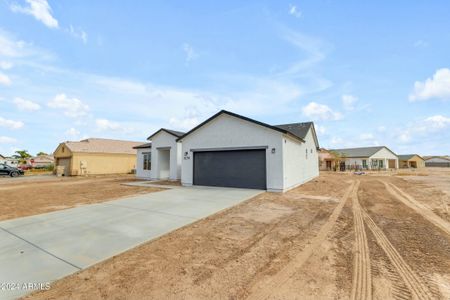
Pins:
x: 95, y: 156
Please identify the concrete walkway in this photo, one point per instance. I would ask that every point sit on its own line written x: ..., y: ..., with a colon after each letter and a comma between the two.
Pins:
x: 46, y: 247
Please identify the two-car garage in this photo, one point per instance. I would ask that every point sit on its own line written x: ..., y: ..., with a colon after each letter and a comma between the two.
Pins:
x: 230, y: 150
x: 231, y: 168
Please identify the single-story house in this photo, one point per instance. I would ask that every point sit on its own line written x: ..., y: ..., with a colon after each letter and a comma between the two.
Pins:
x: 327, y: 160
x: 230, y: 150
x: 367, y: 158
x: 411, y: 161
x: 10, y: 161
x: 161, y: 157
x: 40, y: 161
x: 96, y: 156
x: 437, y: 161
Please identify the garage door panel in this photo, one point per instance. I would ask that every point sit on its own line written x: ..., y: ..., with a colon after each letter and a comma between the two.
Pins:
x: 240, y: 168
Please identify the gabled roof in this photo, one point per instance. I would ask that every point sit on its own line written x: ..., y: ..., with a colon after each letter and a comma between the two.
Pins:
x: 143, y: 146
x: 360, y: 152
x: 242, y: 118
x: 407, y: 156
x: 97, y: 145
x: 170, y: 131
x: 300, y: 130
x: 2, y: 157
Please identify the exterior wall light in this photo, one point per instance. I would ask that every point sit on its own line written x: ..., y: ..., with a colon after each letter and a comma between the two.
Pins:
x: 273, y: 150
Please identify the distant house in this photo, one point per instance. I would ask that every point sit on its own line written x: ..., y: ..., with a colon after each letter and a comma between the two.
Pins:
x: 41, y: 161
x: 367, y: 158
x: 327, y: 160
x: 411, y: 161
x: 10, y: 161
x: 437, y: 161
x: 96, y: 156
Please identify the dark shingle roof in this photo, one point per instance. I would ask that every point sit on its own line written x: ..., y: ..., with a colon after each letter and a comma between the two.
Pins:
x: 172, y: 132
x: 143, y: 146
x: 298, y: 129
x: 358, y: 152
x: 407, y: 156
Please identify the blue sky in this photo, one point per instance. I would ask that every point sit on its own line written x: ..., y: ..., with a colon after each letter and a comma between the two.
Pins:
x: 366, y: 74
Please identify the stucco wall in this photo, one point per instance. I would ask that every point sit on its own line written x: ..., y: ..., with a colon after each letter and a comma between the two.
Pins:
x: 420, y: 163
x: 227, y: 132
x: 299, y: 166
x: 385, y: 154
x: 102, y: 163
x: 140, y: 172
x: 166, y: 140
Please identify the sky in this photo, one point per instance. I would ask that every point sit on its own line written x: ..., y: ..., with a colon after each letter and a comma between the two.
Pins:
x: 366, y: 73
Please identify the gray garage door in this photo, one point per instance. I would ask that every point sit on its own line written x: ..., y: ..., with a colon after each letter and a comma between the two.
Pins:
x: 237, y: 168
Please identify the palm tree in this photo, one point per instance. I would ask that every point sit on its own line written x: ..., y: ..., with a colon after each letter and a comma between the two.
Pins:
x: 22, y: 156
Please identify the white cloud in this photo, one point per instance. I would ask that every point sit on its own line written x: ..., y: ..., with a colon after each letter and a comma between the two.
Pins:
x: 314, y: 49
x: 318, y: 111
x: 294, y: 11
x: 39, y: 9
x: 321, y: 129
x: 78, y: 33
x: 381, y: 129
x: 189, y: 52
x: 425, y: 127
x: 72, y: 132
x: 7, y: 140
x: 107, y: 125
x: 436, y: 87
x: 4, y: 79
x: 26, y: 105
x: 349, y: 102
x: 72, y: 107
x: 5, y: 65
x: 437, y: 122
x: 11, y: 124
x: 10, y: 47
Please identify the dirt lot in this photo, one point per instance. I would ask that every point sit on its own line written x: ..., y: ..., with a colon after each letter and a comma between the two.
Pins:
x: 30, y: 196
x: 339, y: 236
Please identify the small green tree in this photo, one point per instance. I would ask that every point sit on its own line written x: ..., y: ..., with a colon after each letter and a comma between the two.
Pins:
x: 22, y: 156
x: 41, y: 153
x: 338, y: 157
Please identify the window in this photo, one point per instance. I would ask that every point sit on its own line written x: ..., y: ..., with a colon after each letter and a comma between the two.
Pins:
x: 147, y: 156
x: 381, y: 164
x: 306, y: 153
x: 364, y: 162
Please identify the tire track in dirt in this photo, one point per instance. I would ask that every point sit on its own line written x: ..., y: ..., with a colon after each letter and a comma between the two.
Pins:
x: 362, y: 279
x: 418, y: 289
x: 286, y: 273
x: 417, y: 206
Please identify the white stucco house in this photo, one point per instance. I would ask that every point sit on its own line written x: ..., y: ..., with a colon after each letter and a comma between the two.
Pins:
x: 161, y: 158
x: 230, y: 150
x: 368, y: 158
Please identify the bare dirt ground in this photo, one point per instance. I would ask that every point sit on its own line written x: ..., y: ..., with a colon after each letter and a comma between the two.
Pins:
x: 336, y: 237
x: 31, y: 196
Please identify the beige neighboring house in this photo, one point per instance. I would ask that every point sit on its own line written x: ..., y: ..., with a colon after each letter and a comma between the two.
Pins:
x: 327, y: 160
x: 411, y: 161
x: 95, y: 156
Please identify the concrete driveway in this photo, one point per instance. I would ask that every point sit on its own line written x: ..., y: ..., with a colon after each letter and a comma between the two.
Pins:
x: 42, y: 248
